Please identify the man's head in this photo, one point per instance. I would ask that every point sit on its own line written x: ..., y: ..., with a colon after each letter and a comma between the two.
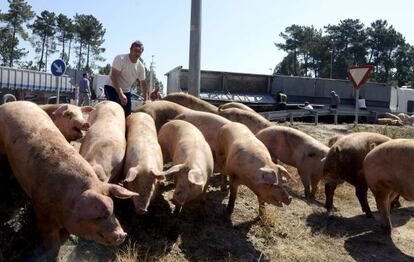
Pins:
x: 135, y: 51
x: 333, y: 92
x: 85, y: 75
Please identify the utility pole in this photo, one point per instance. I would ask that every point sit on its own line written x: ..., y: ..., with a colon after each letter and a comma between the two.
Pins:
x: 195, y: 46
x: 151, y: 80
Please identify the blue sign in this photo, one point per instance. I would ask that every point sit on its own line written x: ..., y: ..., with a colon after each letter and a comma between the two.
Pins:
x: 58, y: 67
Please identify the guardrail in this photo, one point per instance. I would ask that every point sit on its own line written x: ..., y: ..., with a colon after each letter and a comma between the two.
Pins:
x: 299, y: 113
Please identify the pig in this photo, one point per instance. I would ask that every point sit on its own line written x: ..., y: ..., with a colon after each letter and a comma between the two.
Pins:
x: 389, y: 172
x: 67, y: 196
x: 208, y: 123
x: 344, y: 162
x: 235, y: 105
x: 191, y: 102
x: 246, y: 161
x: 389, y: 121
x: 104, y: 144
x: 297, y: 149
x: 69, y: 119
x: 192, y: 161
x: 162, y: 111
x: 335, y: 138
x: 143, y: 167
x: 252, y: 120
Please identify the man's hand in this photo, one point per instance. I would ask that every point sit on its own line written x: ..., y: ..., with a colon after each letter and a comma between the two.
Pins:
x: 123, y: 99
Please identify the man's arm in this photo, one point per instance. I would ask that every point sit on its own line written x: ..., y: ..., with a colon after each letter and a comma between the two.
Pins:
x: 115, y: 74
x: 144, y: 92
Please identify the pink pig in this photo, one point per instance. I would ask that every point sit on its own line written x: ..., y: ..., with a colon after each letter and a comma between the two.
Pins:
x: 67, y: 196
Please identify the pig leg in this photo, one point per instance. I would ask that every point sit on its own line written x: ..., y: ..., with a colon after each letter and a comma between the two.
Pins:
x: 383, y: 206
x: 223, y: 186
x: 305, y: 177
x: 361, y: 193
x: 234, y: 186
x: 262, y: 208
x: 329, y: 193
x: 177, y: 210
x: 50, y: 233
x: 314, y: 184
x: 395, y: 203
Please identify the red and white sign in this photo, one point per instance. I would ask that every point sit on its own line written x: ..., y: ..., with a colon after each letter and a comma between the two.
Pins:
x: 359, y: 74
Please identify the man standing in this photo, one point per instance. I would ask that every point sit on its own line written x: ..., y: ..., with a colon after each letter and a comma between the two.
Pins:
x: 84, y: 91
x: 335, y: 100
x: 126, y: 69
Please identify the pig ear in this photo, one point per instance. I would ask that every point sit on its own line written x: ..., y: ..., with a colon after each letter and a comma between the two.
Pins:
x: 267, y: 176
x: 120, y: 192
x: 174, y: 169
x: 87, y: 109
x: 159, y: 175
x: 284, y: 173
x: 61, y: 110
x: 195, y: 177
x: 131, y: 175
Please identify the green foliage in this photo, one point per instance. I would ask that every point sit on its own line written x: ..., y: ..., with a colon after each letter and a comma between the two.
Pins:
x: 104, y: 70
x: 311, y: 53
x: 90, y: 35
x: 18, y: 14
x: 44, y: 27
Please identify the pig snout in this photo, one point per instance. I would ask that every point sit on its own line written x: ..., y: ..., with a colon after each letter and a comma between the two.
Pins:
x: 84, y: 126
x: 120, y: 237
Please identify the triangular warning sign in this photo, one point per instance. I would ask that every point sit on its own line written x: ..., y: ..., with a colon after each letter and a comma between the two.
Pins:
x: 359, y: 74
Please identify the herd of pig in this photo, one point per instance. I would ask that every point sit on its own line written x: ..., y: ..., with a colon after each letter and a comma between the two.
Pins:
x: 72, y: 191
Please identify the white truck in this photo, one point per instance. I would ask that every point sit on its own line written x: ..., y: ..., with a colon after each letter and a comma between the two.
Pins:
x: 98, y: 85
x: 402, y: 100
x: 37, y: 86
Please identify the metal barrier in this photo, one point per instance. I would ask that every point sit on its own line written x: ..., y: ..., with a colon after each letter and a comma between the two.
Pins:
x: 316, y: 113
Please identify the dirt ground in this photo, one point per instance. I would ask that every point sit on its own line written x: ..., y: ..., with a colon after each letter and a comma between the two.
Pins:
x: 299, y: 232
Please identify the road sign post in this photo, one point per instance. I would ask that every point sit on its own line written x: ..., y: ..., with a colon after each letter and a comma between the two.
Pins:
x: 358, y: 76
x: 58, y: 68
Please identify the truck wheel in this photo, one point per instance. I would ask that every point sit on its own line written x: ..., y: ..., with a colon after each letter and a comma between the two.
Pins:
x: 8, y: 98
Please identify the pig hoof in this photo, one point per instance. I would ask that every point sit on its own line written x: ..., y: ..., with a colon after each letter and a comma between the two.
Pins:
x: 369, y: 215
x: 386, y: 230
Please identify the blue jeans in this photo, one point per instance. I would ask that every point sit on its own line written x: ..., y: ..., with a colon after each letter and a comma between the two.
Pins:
x: 112, y: 95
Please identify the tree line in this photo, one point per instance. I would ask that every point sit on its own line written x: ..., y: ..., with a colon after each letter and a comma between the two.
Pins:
x: 78, y: 40
x: 330, y: 52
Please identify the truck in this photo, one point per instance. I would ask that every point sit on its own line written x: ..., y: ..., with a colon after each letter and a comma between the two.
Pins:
x: 260, y: 91
x: 98, y: 83
x: 36, y: 86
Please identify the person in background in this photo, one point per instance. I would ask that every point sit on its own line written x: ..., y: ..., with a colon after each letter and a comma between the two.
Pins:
x: 361, y: 103
x: 335, y: 99
x: 307, y: 106
x: 126, y: 69
x: 84, y: 91
x: 155, y: 95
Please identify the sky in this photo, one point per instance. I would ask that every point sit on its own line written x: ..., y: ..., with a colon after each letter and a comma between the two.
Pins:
x: 236, y: 35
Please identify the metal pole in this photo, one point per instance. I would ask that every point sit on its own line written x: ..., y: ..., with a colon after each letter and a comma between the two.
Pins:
x: 356, y: 105
x: 195, y: 47
x: 58, y: 89
x: 151, y: 83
